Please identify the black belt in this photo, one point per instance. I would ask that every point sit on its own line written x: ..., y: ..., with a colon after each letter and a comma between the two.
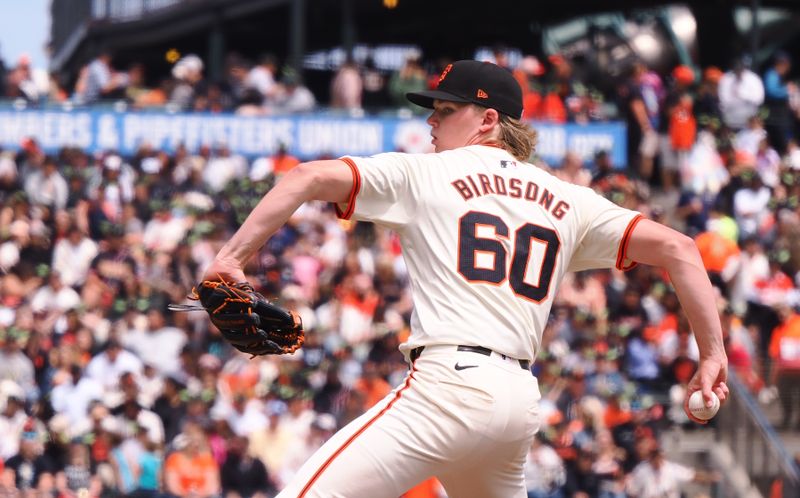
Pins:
x: 524, y: 364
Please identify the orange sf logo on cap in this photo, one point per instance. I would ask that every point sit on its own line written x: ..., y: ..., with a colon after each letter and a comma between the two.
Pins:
x: 482, y: 94
x: 444, y: 73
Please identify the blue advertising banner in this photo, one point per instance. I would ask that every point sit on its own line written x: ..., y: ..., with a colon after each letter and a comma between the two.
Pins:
x: 306, y: 136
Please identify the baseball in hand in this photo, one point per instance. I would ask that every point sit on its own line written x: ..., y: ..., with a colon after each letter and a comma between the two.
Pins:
x: 698, y: 408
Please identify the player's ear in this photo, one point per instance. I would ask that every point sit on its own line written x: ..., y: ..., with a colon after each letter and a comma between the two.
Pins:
x: 490, y: 118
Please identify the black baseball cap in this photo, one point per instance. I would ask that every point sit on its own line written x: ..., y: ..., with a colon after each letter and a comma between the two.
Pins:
x: 482, y: 83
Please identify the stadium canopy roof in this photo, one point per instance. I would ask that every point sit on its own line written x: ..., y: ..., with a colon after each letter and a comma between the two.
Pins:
x: 138, y: 29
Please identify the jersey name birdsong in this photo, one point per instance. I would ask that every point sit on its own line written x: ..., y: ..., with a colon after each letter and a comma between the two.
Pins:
x: 478, y: 185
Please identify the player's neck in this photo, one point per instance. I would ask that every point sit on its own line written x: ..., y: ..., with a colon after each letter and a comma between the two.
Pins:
x: 489, y: 139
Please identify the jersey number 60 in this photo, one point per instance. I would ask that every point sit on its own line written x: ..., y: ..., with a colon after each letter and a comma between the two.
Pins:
x: 469, y: 244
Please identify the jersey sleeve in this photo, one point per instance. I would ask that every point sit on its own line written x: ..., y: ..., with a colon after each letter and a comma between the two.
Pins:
x: 383, y: 190
x: 606, y: 230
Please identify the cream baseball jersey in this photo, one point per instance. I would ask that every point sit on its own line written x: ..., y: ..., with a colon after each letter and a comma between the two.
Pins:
x: 486, y: 239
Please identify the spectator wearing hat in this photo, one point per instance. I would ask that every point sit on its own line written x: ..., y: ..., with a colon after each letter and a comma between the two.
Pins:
x: 639, y: 101
x: 528, y: 75
x: 188, y: 75
x: 30, y: 465
x: 776, y: 98
x: 706, y: 106
x: 741, y: 92
x: 677, y: 125
x: 112, y: 186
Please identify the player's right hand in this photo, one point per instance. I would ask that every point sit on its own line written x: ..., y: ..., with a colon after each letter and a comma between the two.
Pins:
x: 227, y: 270
x: 711, y: 375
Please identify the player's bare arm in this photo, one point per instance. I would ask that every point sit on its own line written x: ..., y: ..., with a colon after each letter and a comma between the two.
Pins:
x: 329, y: 181
x: 655, y: 244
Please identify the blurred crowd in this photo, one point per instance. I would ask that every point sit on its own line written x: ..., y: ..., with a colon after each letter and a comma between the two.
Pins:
x: 555, y: 90
x: 103, y: 392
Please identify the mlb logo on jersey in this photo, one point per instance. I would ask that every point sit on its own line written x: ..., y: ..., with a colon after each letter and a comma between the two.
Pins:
x: 505, y: 164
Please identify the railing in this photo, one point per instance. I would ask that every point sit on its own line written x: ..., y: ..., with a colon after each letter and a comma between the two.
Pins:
x: 128, y: 10
x: 754, y: 443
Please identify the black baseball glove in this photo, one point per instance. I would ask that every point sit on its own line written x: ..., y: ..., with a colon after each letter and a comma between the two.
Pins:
x: 246, y: 319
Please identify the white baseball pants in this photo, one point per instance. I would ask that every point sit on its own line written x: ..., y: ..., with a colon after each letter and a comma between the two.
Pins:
x: 471, y: 428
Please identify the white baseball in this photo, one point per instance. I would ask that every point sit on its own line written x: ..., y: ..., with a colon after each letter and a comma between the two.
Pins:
x: 698, y: 408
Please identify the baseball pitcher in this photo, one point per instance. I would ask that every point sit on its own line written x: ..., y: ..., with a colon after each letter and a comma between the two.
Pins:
x: 487, y: 239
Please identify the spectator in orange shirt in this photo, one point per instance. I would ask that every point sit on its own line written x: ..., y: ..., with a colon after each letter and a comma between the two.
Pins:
x: 771, y: 293
x: 283, y: 162
x: 359, y: 302
x: 720, y: 256
x: 527, y: 75
x: 191, y: 470
x: 784, y: 350
x: 615, y: 414
x: 371, y: 385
